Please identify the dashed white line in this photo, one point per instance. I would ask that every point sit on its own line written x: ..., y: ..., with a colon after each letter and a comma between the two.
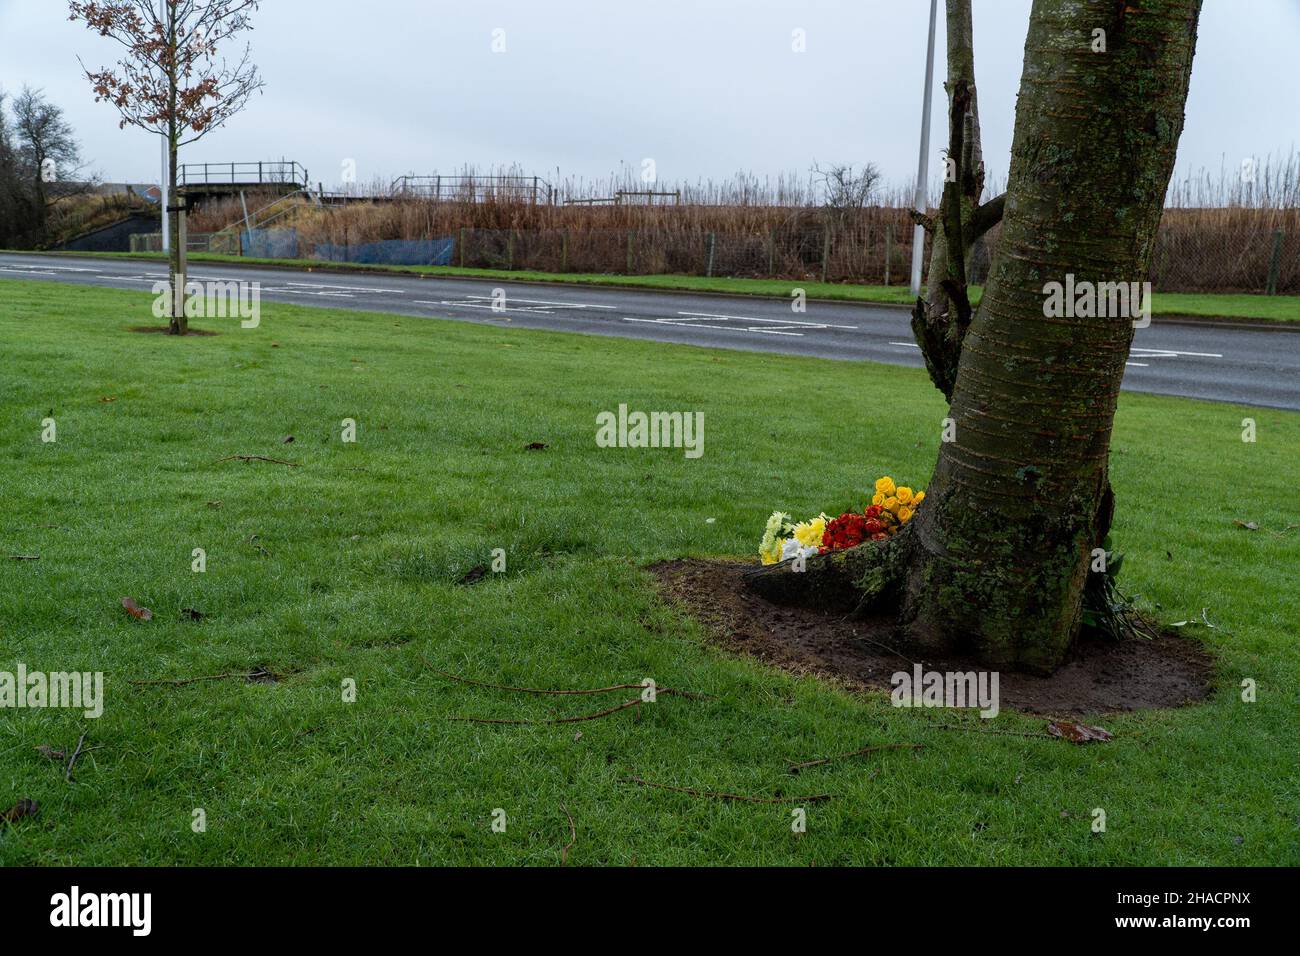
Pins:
x: 790, y: 322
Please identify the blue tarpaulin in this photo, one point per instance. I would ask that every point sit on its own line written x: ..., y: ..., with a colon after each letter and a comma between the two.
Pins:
x: 269, y: 243
x: 399, y: 252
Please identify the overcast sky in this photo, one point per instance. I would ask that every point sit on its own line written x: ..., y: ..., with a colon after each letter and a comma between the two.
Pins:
x: 704, y: 87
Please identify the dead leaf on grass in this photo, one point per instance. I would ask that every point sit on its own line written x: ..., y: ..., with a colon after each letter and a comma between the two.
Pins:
x: 1248, y: 525
x: 23, y: 808
x: 136, y: 611
x: 535, y: 446
x: 1077, y: 733
x: 476, y: 573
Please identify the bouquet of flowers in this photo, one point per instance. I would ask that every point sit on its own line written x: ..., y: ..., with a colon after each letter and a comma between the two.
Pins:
x: 892, y: 506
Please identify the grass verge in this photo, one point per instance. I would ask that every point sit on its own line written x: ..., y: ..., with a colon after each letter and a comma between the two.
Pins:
x: 345, y: 568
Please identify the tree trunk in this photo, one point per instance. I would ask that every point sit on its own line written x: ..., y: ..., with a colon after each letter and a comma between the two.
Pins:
x: 995, y: 561
x: 1013, y: 511
x: 179, y: 324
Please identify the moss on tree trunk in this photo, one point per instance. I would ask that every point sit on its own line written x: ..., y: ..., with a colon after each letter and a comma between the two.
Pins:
x: 1011, y: 514
x: 996, y: 559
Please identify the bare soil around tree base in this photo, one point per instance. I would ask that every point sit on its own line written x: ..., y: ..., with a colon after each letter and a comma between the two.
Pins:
x: 163, y: 330
x: 863, y: 652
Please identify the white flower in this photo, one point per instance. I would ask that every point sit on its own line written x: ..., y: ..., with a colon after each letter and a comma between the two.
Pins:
x: 791, y: 548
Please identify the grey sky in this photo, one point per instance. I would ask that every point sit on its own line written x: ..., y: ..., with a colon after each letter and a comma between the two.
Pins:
x: 704, y: 87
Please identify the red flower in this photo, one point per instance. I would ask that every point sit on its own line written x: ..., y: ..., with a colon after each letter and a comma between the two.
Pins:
x: 874, y: 511
x: 846, y: 531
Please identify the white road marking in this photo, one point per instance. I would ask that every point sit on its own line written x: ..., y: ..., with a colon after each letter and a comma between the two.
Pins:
x: 44, y: 269
x: 562, y: 305
x: 1160, y: 353
x: 794, y: 323
x: 482, y: 305
x: 1170, y: 353
x: 345, y: 288
x: 697, y: 324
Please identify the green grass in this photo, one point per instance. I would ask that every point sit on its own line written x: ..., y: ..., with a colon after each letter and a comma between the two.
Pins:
x: 1280, y: 308
x: 345, y: 568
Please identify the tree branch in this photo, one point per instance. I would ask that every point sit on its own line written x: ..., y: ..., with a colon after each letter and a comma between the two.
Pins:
x: 986, y: 217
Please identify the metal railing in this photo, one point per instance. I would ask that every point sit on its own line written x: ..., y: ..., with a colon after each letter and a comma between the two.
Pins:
x: 261, y: 173
x: 630, y: 197
x: 533, y: 189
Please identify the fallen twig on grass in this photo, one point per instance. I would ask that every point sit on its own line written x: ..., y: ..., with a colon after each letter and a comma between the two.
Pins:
x: 274, y: 461
x: 796, y: 767
x: 72, y: 761
x: 815, y: 798
x: 24, y: 557
x: 557, y: 720
x: 670, y: 691
x: 51, y: 753
x: 260, y: 674
x: 573, y: 837
x: 996, y: 733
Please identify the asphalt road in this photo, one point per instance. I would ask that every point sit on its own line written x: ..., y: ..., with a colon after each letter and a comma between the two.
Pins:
x: 1220, y: 362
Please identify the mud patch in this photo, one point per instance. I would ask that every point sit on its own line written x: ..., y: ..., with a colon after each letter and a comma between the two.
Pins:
x: 863, y: 653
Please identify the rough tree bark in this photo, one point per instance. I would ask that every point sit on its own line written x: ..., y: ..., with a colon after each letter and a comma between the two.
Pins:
x: 995, y: 561
x: 179, y: 323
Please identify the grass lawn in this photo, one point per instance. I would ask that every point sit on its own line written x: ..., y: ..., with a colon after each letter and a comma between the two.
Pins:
x: 346, y: 568
x: 1277, y: 308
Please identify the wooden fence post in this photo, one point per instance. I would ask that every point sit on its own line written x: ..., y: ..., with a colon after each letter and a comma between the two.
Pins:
x: 708, y: 272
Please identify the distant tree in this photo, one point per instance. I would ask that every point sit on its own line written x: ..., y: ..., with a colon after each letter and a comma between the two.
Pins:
x: 9, y: 190
x: 173, y: 81
x: 47, y: 153
x: 843, y: 189
x: 39, y: 164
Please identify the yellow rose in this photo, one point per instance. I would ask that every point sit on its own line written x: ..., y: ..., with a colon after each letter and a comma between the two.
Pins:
x: 904, y: 495
x: 904, y: 515
x: 877, y: 499
x: 891, y: 503
x: 885, y: 485
x: 918, y: 498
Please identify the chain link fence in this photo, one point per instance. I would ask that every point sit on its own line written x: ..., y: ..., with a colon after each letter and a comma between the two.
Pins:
x: 876, y: 256
x: 1187, y: 257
